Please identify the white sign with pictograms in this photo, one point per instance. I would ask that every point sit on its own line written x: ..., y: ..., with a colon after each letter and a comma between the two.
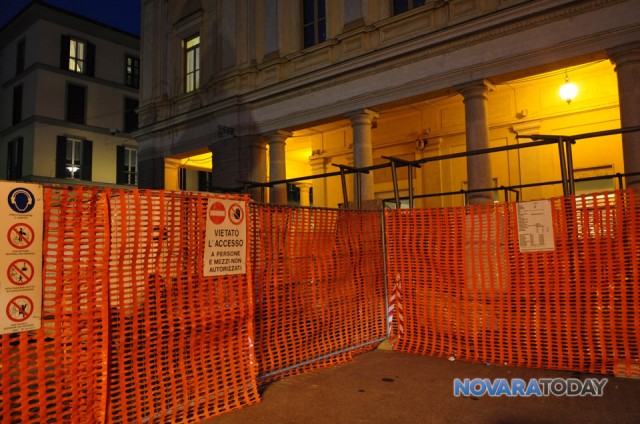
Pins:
x: 21, y: 206
x: 225, y: 250
x: 535, y: 226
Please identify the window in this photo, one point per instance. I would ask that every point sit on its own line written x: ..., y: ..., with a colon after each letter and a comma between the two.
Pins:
x: 400, y: 6
x: 314, y: 22
x: 20, y: 56
x: 77, y: 56
x: 17, y: 104
x: 130, y: 114
x: 127, y: 165
x: 76, y: 102
x: 132, y: 72
x: 14, y: 159
x: 74, y: 158
x: 192, y: 61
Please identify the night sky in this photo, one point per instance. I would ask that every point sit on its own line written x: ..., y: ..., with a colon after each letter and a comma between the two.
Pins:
x: 120, y: 14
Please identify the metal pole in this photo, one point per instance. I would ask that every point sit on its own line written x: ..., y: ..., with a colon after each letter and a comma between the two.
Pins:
x: 571, y: 182
x: 563, y: 167
x: 394, y: 178
x: 358, y: 191
x: 410, y: 176
x: 344, y: 188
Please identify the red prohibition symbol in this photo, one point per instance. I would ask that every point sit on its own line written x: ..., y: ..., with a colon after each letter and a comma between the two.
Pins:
x: 20, y: 236
x: 217, y: 213
x: 236, y: 214
x: 20, y: 272
x: 19, y: 308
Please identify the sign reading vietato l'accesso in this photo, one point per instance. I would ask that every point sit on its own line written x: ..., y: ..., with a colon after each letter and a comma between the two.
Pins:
x: 225, y: 250
x: 22, y: 211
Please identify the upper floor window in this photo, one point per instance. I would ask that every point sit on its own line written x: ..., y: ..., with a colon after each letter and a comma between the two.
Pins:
x: 130, y: 114
x: 76, y: 103
x: 14, y: 159
x: 77, y: 56
x: 127, y: 165
x: 192, y: 63
x: 314, y: 22
x: 74, y: 158
x: 400, y: 6
x: 132, y: 72
x: 20, y: 55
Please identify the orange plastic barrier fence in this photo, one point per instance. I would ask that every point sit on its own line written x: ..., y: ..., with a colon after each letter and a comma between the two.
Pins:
x: 132, y: 331
x: 319, y: 287
x: 461, y: 287
x: 59, y: 372
x: 181, y: 343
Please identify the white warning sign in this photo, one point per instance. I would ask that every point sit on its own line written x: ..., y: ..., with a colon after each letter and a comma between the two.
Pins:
x: 535, y: 226
x: 21, y: 206
x: 225, y: 250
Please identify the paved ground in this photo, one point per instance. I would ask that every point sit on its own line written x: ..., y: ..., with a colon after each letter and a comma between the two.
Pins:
x: 390, y: 387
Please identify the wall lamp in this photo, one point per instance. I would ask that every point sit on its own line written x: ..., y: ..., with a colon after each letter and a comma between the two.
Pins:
x: 569, y: 90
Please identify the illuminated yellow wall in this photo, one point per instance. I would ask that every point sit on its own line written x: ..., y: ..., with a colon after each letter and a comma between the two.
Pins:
x: 527, y: 106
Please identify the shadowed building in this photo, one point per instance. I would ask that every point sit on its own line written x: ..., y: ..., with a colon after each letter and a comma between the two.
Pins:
x: 258, y: 90
x: 69, y: 99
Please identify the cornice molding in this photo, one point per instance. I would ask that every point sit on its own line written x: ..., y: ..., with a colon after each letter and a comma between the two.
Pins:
x: 443, y: 42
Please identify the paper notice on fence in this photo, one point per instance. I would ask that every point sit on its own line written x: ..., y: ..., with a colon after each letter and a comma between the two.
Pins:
x: 535, y: 226
x: 225, y: 250
x: 22, y: 211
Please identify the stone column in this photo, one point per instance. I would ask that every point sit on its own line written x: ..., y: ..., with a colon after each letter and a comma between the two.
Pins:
x: 626, y: 59
x: 278, y: 166
x: 257, y: 167
x: 305, y: 188
x: 361, y: 123
x: 477, y: 129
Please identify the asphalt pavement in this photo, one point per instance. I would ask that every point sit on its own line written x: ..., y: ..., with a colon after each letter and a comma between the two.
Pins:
x: 384, y: 386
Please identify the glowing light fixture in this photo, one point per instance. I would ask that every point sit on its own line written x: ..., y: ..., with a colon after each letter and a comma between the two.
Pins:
x: 569, y: 90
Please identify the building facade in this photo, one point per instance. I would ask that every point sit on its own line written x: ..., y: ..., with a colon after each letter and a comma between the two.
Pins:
x: 258, y: 90
x: 69, y: 95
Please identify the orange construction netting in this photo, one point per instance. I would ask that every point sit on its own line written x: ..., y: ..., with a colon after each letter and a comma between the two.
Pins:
x: 132, y: 332
x: 319, y: 291
x: 181, y: 343
x: 461, y: 288
x: 59, y: 372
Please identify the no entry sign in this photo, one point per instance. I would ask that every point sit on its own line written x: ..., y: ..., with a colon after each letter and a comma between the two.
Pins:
x: 225, y: 251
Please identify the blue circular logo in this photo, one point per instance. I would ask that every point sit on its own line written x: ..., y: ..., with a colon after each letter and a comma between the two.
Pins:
x: 21, y: 200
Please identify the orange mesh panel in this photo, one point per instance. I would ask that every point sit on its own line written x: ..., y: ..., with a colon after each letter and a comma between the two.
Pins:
x: 181, y: 343
x: 318, y: 284
x: 58, y: 373
x: 467, y: 291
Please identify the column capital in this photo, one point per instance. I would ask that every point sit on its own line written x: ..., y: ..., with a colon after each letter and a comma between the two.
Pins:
x: 277, y: 136
x: 478, y: 88
x: 626, y: 53
x: 362, y: 116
